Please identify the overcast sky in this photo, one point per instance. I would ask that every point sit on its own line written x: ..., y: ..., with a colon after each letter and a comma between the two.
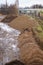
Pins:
x: 23, y: 3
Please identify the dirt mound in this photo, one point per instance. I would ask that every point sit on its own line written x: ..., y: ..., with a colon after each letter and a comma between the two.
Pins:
x: 22, y: 22
x: 31, y: 53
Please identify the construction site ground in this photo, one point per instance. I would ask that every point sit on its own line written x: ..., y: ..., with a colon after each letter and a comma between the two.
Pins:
x: 30, y: 48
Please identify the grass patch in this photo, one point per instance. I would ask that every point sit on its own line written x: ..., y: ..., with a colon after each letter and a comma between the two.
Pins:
x: 41, y: 12
x: 38, y: 29
x: 40, y: 22
x: 40, y: 35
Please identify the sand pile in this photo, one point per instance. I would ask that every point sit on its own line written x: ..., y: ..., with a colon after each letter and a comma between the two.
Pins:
x: 22, y: 22
x: 31, y: 53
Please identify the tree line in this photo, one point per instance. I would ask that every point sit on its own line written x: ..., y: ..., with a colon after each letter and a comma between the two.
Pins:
x: 5, y: 9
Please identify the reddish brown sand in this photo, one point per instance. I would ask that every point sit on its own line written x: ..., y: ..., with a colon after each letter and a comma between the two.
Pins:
x: 31, y: 53
x: 22, y: 22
